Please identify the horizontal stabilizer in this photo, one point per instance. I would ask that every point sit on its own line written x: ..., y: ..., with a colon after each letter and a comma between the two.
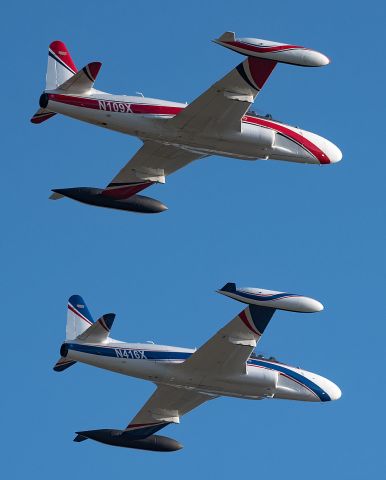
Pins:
x: 279, y: 52
x: 42, y: 115
x: 272, y: 299
x: 99, y: 331
x: 56, y: 196
x: 83, y: 80
x: 63, y: 364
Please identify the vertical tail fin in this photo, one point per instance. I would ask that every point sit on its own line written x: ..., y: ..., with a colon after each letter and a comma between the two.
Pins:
x: 79, y: 318
x: 60, y: 69
x: 60, y: 66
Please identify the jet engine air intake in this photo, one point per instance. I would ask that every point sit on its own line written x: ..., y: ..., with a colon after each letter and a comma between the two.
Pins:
x: 64, y: 350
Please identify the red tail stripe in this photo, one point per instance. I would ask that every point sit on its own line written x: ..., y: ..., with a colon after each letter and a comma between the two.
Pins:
x: 70, y: 307
x: 60, y: 49
x: 134, y: 108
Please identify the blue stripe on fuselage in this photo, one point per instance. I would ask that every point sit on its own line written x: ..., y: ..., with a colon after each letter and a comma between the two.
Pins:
x: 323, y: 396
x: 263, y: 298
x: 165, y: 355
x: 112, y: 352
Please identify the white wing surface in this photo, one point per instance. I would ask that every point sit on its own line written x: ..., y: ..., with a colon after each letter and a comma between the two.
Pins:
x: 166, y: 405
x: 223, y: 105
x: 152, y: 163
x: 227, y: 352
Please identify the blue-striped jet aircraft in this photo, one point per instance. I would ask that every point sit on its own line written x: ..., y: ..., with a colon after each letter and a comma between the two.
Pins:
x: 185, y: 378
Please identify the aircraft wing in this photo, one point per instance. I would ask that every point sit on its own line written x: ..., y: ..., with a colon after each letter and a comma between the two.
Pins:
x: 228, y: 350
x: 222, y: 106
x: 150, y: 164
x: 166, y: 405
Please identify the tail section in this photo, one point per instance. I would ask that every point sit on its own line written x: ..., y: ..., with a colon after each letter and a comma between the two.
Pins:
x: 79, y: 318
x: 82, y: 328
x: 60, y: 66
x: 63, y: 75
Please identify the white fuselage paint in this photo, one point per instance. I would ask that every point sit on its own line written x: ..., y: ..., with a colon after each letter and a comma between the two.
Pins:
x: 146, y: 118
x: 163, y: 365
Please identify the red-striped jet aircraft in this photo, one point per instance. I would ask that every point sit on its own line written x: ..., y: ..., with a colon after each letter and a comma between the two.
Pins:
x: 174, y: 134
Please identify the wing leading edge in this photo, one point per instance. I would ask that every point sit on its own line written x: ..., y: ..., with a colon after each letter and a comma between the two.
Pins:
x: 227, y: 352
x: 222, y: 106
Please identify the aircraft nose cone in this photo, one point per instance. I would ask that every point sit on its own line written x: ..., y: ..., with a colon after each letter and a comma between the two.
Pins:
x: 334, y: 391
x: 328, y: 149
x: 332, y: 151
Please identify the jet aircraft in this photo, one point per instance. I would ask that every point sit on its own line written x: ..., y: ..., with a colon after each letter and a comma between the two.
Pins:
x: 185, y: 378
x: 218, y: 122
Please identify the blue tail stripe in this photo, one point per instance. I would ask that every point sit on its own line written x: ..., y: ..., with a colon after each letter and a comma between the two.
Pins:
x: 79, y: 304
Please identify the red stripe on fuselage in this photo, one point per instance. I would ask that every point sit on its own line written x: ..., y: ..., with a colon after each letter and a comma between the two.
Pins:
x: 114, y: 105
x: 296, y: 137
x: 150, y: 109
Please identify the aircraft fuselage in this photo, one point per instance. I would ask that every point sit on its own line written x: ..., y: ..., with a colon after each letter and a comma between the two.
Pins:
x: 160, y: 364
x: 146, y: 118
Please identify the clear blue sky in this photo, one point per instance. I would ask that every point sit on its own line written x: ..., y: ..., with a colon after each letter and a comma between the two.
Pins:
x: 314, y: 230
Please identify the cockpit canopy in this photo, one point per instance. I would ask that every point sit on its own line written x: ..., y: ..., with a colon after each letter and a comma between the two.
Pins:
x: 260, y: 356
x: 267, y: 116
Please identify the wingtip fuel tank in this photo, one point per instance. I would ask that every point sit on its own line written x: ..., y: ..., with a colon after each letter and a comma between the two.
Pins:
x: 272, y: 299
x: 121, y: 438
x: 278, y: 52
x: 93, y: 196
